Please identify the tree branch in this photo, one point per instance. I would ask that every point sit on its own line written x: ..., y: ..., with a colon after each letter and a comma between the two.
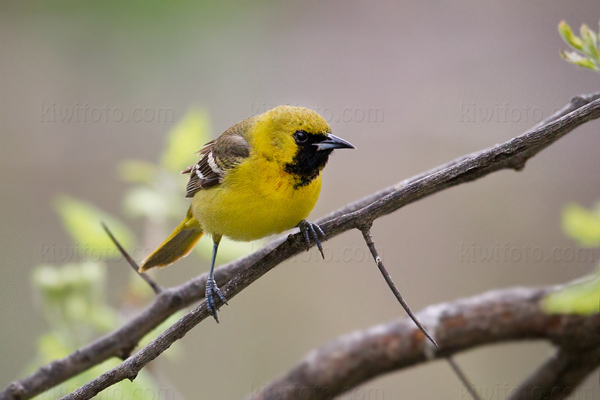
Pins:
x: 559, y: 376
x: 121, y: 342
x: 496, y: 316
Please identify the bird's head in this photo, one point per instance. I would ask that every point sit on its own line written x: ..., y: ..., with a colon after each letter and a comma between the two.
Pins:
x: 297, y: 138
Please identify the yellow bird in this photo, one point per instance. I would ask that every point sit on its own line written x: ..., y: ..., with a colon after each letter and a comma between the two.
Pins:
x: 260, y: 177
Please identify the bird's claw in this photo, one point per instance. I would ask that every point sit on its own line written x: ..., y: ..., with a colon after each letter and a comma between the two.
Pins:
x: 211, y: 290
x: 309, y: 229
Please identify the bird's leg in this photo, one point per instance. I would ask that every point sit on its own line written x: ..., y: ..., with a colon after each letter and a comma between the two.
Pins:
x: 309, y: 229
x: 211, y: 285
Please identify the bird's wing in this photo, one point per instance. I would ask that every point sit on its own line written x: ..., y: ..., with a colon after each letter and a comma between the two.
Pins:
x: 217, y: 157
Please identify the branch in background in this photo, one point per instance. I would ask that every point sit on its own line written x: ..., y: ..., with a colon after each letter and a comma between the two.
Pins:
x: 560, y: 375
x: 120, y: 343
x: 493, y: 317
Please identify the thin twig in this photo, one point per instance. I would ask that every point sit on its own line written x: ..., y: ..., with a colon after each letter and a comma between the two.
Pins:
x: 119, y: 343
x: 463, y: 377
x: 366, y: 231
x: 155, y: 286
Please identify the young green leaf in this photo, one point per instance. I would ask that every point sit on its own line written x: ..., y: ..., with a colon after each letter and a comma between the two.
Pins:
x: 567, y: 34
x: 587, y: 53
x: 577, y: 59
x: 581, y: 225
x: 582, y: 298
x: 590, y: 44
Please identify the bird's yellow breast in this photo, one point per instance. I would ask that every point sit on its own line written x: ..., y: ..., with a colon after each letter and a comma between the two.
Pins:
x: 255, y: 199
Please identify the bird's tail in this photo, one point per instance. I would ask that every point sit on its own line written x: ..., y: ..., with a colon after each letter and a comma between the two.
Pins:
x: 179, y: 244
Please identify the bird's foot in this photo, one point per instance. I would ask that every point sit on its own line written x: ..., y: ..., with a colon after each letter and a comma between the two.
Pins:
x: 309, y: 229
x: 211, y: 290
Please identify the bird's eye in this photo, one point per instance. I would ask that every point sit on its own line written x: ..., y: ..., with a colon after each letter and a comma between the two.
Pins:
x: 300, y: 137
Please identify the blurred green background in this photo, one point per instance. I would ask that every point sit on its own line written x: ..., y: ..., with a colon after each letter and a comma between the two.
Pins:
x: 412, y: 85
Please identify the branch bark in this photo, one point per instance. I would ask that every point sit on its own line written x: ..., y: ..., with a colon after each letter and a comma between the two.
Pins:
x: 239, y: 274
x: 496, y: 316
x: 560, y: 376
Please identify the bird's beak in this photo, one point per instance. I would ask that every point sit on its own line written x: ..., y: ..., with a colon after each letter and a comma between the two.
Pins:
x: 333, y: 142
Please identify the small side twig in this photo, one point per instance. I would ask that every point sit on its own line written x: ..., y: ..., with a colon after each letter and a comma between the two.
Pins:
x: 463, y: 378
x: 155, y: 286
x: 366, y: 231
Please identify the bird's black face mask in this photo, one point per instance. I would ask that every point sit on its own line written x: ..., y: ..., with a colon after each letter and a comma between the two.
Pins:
x: 313, y: 153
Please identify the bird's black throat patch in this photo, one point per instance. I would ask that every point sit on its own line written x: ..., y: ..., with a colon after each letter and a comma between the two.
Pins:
x: 308, y: 162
